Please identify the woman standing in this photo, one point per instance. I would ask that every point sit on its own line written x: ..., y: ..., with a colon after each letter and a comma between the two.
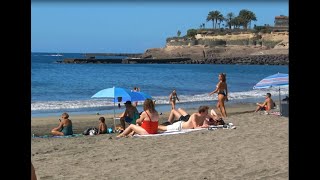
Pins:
x: 147, y: 123
x: 172, y: 98
x: 222, y: 90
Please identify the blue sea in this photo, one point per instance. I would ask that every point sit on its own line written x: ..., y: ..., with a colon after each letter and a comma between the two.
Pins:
x: 57, y: 88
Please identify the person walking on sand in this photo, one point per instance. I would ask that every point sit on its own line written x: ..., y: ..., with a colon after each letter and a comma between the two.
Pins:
x: 222, y: 90
x: 147, y: 123
x: 172, y: 99
x: 65, y: 126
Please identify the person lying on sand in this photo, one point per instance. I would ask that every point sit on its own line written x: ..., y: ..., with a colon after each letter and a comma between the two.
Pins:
x: 196, y: 120
x: 146, y: 124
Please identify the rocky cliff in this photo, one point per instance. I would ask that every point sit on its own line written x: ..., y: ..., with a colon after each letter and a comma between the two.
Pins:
x: 263, y: 49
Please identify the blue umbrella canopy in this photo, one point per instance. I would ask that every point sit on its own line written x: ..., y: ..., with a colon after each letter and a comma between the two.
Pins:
x: 276, y: 80
x: 143, y: 96
x: 117, y: 92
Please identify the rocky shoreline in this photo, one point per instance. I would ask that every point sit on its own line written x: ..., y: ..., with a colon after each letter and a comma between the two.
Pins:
x: 281, y: 59
x: 277, y: 54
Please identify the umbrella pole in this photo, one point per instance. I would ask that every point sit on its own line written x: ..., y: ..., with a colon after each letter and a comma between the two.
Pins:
x: 114, y: 115
x: 280, y: 102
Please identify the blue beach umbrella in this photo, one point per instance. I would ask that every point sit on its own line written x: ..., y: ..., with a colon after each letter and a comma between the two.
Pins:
x: 115, y: 93
x: 136, y: 96
x: 276, y: 80
x: 143, y: 96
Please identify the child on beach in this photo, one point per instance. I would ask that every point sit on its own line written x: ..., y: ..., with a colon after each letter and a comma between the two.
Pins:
x: 102, y: 128
x: 65, y: 126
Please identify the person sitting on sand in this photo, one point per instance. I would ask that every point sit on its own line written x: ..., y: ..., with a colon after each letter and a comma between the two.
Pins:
x: 128, y: 114
x: 102, y: 128
x: 267, y: 105
x: 196, y: 120
x: 65, y: 126
x: 146, y: 124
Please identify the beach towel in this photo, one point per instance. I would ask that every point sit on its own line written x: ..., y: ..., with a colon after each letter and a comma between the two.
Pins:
x: 169, y: 132
x: 51, y: 136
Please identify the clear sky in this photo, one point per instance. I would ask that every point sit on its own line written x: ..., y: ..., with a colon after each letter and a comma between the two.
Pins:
x: 86, y: 26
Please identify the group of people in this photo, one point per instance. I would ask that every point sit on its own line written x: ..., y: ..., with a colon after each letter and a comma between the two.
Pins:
x: 221, y: 89
x: 65, y: 126
x: 147, y: 123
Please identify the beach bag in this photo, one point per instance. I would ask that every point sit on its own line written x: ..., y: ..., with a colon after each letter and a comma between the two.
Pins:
x: 90, y: 131
x: 217, y: 122
x: 221, y: 122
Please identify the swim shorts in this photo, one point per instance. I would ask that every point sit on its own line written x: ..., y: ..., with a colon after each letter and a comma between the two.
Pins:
x: 177, y: 126
x: 184, y: 118
x: 128, y: 119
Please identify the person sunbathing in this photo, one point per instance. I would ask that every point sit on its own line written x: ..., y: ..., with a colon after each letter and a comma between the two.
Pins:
x: 65, y: 126
x: 146, y: 124
x: 196, y: 120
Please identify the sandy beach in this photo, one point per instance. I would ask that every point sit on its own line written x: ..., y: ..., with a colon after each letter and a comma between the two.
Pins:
x: 256, y: 149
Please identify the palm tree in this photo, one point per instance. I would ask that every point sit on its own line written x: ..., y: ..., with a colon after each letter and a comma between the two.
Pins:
x: 221, y: 19
x: 252, y: 17
x: 236, y: 22
x: 246, y: 17
x: 178, y: 33
x: 229, y: 18
x: 213, y: 16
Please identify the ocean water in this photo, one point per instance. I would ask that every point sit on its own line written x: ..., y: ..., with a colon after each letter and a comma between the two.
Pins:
x: 57, y: 88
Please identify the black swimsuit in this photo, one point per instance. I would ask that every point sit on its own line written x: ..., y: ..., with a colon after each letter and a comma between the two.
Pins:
x: 223, y: 93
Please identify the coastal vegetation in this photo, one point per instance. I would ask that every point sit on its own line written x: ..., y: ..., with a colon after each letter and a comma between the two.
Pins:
x: 223, y: 25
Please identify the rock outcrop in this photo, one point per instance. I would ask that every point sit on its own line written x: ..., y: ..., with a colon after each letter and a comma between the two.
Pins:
x: 273, y: 47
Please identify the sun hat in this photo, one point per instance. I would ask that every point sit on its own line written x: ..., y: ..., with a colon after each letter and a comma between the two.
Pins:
x: 127, y: 102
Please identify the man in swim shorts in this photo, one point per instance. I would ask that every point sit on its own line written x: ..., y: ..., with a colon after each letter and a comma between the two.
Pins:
x: 128, y: 114
x: 196, y: 120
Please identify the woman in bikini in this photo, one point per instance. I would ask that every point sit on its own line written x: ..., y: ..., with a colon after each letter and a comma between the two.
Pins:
x: 222, y: 90
x: 172, y: 98
x: 146, y: 124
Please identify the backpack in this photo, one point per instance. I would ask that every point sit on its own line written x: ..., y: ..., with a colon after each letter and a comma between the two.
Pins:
x: 90, y: 131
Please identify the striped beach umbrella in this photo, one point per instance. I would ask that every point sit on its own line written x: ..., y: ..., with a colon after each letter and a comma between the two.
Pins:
x: 277, y: 80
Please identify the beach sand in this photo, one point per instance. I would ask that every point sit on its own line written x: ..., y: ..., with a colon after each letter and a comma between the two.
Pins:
x: 256, y: 149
